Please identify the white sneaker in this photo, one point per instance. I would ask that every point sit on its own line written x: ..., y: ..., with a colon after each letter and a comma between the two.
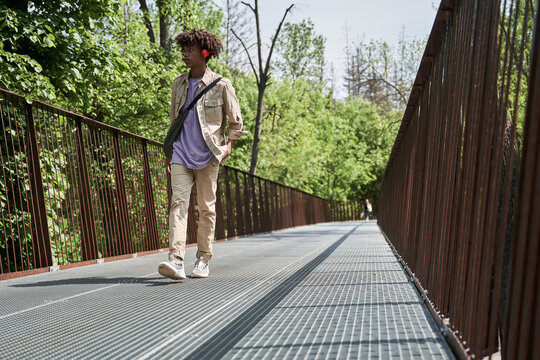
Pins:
x: 173, y: 269
x: 201, y: 269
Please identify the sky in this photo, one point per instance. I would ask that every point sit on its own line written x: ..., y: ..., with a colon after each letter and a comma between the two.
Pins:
x: 371, y: 19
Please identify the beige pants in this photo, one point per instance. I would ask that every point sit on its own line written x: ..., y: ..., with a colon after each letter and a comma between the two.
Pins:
x: 182, y: 180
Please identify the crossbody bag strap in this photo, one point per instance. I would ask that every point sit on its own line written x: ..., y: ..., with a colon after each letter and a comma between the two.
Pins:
x: 202, y: 93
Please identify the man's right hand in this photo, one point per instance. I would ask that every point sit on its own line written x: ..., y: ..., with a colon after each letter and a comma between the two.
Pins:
x: 168, y: 165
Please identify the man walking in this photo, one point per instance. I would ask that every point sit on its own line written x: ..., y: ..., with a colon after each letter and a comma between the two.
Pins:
x: 199, y: 149
x: 367, y: 209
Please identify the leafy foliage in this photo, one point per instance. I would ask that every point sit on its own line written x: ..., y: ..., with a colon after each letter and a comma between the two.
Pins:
x: 381, y: 73
x: 95, y: 57
x: 16, y: 251
x: 334, y: 149
x: 301, y: 52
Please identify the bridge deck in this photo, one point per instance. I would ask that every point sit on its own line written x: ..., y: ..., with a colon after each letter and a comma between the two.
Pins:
x: 325, y: 291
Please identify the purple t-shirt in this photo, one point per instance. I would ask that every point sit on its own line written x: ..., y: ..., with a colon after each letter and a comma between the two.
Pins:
x: 190, y: 149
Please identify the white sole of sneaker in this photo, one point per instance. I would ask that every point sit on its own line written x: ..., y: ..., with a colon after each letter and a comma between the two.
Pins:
x: 197, y: 276
x: 168, y: 271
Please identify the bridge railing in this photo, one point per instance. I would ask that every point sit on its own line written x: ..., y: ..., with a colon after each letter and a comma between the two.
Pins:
x: 75, y: 190
x: 448, y: 198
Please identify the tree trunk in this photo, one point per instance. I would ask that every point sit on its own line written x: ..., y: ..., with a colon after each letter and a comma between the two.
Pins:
x: 258, y: 130
x: 164, y: 29
x: 147, y: 21
x: 261, y: 75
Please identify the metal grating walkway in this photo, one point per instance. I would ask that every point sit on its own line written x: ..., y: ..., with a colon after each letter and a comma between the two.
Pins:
x: 327, y: 291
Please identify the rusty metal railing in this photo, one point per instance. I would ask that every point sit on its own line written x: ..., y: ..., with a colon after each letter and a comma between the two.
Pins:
x: 521, y: 333
x: 75, y: 190
x: 449, y: 191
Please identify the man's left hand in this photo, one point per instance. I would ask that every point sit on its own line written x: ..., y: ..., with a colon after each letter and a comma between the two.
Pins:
x: 228, y: 151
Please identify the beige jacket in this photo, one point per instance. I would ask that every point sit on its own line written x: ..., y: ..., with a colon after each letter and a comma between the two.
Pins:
x: 218, y: 102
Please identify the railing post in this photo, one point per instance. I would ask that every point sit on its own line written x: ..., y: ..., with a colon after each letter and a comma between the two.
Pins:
x: 290, y: 207
x: 126, y: 245
x: 230, y: 216
x: 152, y: 238
x: 273, y: 198
x: 255, y: 208
x: 262, y: 210
x: 41, y: 242
x: 285, y: 207
x: 268, y: 217
x: 220, y: 226
x: 238, y: 204
x: 247, y: 210
x: 88, y: 228
x: 192, y: 221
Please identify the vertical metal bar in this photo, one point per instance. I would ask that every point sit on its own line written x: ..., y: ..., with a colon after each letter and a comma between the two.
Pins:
x: 39, y: 224
x: 152, y: 241
x: 137, y: 177
x: 284, y: 207
x: 131, y: 192
x: 255, y: 209
x: 48, y: 148
x: 192, y: 219
x: 262, y: 210
x: 88, y: 232
x: 69, y: 213
x: 220, y: 226
x: 279, y: 200
x: 231, y: 231
x: 59, y: 168
x: 111, y: 217
x: 294, y: 206
x: 257, y: 205
x: 26, y: 262
x: 7, y: 205
x: 267, y: 200
x: 100, y: 192
x: 160, y: 191
x: 125, y: 240
x: 247, y: 209
x: 238, y: 205
x: 290, y: 207
x: 74, y: 205
x: 273, y: 205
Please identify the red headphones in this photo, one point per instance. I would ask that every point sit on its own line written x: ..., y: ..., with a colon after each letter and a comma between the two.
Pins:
x: 205, y: 53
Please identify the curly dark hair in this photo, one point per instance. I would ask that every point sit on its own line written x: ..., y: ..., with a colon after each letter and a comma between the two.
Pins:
x: 205, y: 39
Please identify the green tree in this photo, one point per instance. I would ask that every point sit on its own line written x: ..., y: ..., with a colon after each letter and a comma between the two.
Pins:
x: 334, y: 149
x: 114, y: 62
x: 262, y: 76
x: 41, y: 44
x: 381, y: 73
x: 301, y: 52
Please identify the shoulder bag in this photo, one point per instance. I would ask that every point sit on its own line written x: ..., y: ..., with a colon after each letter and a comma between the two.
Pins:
x: 176, y: 128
